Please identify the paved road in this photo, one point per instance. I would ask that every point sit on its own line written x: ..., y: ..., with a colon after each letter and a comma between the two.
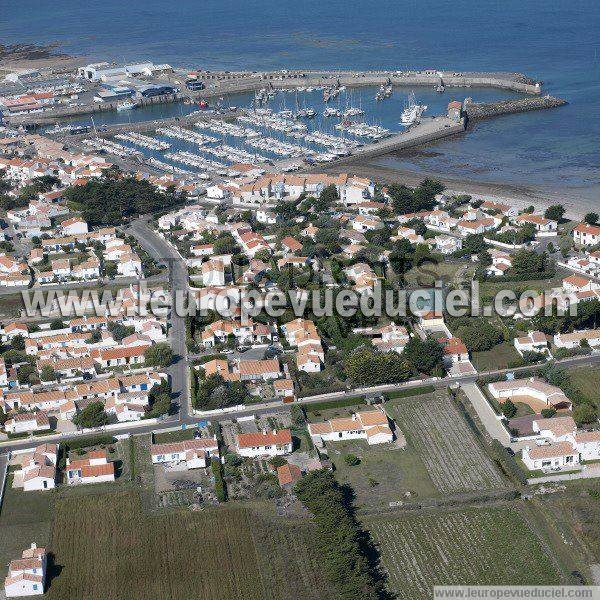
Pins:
x: 486, y: 414
x: 163, y: 252
x: 186, y: 418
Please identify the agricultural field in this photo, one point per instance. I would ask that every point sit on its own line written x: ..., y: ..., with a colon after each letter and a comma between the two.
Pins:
x: 475, y: 546
x: 385, y: 474
x: 452, y: 456
x: 225, y: 553
x: 576, y: 516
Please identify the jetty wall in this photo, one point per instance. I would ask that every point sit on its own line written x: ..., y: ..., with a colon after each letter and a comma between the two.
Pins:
x: 478, y: 111
x: 221, y: 83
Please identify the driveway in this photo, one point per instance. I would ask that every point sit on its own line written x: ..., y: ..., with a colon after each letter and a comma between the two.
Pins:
x: 486, y: 414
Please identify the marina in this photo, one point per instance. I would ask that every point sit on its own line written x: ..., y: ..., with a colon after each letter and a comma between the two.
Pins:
x: 281, y: 127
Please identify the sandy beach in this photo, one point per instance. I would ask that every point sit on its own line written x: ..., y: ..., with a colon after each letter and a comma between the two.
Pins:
x: 516, y: 195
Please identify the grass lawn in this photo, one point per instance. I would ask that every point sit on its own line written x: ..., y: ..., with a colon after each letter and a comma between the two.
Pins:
x: 225, y: 553
x: 474, y: 546
x: 490, y: 288
x: 576, y: 516
x: 523, y: 409
x: 174, y: 436
x: 586, y: 380
x: 25, y: 517
x: 428, y: 274
x: 385, y: 474
x: 498, y: 357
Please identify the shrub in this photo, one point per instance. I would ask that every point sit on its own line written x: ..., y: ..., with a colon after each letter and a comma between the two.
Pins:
x: 509, y: 409
x: 220, y: 486
x: 352, y: 460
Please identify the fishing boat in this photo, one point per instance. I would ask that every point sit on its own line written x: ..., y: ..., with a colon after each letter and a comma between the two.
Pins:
x: 412, y: 112
x: 126, y: 105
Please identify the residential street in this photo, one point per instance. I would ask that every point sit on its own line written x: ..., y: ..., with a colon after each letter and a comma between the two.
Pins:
x: 163, y: 252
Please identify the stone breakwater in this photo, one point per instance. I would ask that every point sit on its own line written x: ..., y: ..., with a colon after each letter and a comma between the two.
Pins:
x: 477, y: 111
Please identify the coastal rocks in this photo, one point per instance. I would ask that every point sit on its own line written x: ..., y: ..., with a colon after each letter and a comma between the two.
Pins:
x: 479, y: 110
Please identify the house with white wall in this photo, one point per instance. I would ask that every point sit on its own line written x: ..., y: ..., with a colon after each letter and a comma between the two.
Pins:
x: 27, y: 575
x: 534, y: 341
x: 576, y: 338
x: 372, y: 425
x: 93, y: 468
x: 559, y: 445
x: 586, y: 235
x: 27, y: 422
x: 38, y: 468
x: 264, y: 443
x: 189, y: 454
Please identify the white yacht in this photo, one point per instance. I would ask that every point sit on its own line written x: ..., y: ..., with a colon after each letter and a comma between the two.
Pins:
x: 126, y: 105
x: 412, y: 112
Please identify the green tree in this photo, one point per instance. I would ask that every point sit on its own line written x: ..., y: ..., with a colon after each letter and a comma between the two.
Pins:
x: 47, y: 373
x: 351, y: 460
x: 93, y: 415
x: 509, y: 410
x: 480, y: 335
x: 591, y: 218
x: 344, y: 549
x: 425, y: 356
x: 158, y: 355
x: 584, y: 414
x: 224, y: 244
x: 18, y: 343
x: 555, y: 212
x: 57, y: 324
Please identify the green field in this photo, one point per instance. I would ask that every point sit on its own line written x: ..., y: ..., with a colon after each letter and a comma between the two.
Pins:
x: 449, y: 272
x: 107, y: 547
x: 386, y: 473
x: 174, y: 436
x: 499, y: 357
x: 25, y: 517
x: 476, y: 546
x: 586, y: 380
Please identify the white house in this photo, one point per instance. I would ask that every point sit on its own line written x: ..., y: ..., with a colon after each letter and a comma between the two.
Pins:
x: 191, y: 454
x: 560, y: 445
x: 574, y: 340
x: 93, y: 468
x: 74, y: 226
x: 265, y: 443
x: 534, y: 341
x: 27, y: 575
x: 586, y: 235
x: 372, y: 426
x: 447, y: 244
x: 213, y: 273
x: 38, y: 468
x: 532, y: 387
x: 27, y: 422
x: 542, y: 225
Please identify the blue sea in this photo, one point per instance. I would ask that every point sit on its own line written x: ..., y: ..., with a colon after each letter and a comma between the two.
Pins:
x: 554, y: 41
